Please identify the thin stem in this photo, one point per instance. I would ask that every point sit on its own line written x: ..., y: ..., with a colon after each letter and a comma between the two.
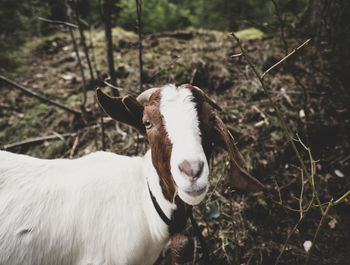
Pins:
x: 293, y: 231
x: 139, y: 29
x: 301, y: 194
x: 288, y: 237
x: 80, y: 65
x: 288, y: 207
x: 279, y: 114
x: 284, y: 58
x: 330, y: 204
x: 83, y: 41
x: 278, y: 190
x: 342, y: 198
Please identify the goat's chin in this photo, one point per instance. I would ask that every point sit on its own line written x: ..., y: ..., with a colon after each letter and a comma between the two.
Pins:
x: 193, y: 197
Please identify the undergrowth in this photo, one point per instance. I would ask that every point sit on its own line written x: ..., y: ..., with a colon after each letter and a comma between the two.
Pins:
x: 239, y: 228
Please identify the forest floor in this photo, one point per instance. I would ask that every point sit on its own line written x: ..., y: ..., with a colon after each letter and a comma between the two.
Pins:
x: 239, y: 228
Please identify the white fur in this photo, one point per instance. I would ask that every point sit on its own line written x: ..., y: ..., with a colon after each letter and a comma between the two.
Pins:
x: 93, y: 210
x: 182, y: 126
x: 96, y: 210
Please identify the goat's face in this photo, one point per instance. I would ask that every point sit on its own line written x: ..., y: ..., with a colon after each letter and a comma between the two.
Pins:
x: 173, y: 131
x: 181, y: 125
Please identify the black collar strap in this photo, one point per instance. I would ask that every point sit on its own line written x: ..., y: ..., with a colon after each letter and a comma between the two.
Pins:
x: 172, y: 228
x: 159, y: 210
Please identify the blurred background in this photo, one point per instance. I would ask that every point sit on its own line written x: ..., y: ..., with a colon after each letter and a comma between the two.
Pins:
x: 54, y: 54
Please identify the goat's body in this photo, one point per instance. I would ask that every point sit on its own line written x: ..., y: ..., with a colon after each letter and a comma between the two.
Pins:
x: 93, y: 210
x: 97, y: 210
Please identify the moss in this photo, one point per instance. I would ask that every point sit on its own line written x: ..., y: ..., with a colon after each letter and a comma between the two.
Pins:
x: 39, y: 109
x: 121, y: 33
x: 12, y: 132
x: 249, y: 34
x: 55, y: 148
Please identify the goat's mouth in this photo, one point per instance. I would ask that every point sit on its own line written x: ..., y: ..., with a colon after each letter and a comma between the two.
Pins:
x: 193, y: 195
x: 196, y: 192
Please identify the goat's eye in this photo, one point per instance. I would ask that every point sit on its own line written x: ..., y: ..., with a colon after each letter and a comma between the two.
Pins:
x: 148, y: 124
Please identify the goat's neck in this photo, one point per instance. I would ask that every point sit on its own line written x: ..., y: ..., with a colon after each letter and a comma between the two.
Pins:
x: 155, y: 185
x: 164, y: 190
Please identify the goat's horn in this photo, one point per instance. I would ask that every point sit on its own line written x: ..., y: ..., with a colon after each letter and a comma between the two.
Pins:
x: 143, y: 98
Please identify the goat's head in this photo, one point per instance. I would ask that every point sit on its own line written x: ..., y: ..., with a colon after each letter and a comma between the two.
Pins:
x: 180, y: 125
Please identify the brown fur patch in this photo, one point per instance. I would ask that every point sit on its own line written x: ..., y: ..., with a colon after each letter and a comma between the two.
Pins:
x: 214, y: 130
x: 161, y: 146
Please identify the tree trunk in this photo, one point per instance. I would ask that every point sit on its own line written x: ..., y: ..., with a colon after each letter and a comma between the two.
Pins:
x: 58, y: 9
x: 326, y: 21
x: 139, y: 30
x: 107, y: 6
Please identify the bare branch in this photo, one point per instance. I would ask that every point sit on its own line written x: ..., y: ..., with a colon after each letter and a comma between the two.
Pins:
x: 41, y: 98
x: 57, y: 22
x: 285, y: 58
x: 37, y: 140
x: 342, y: 198
x: 324, y: 215
x: 279, y: 115
x: 83, y: 42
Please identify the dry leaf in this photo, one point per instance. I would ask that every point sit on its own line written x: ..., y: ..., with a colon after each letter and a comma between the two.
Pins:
x: 332, y: 223
x: 339, y: 173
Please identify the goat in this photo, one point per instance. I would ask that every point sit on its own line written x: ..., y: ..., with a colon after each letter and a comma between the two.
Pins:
x: 105, y: 208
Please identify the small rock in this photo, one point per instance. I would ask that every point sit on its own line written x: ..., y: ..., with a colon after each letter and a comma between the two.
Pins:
x: 67, y: 77
x: 307, y: 245
x: 259, y: 124
x: 339, y: 173
x: 39, y: 75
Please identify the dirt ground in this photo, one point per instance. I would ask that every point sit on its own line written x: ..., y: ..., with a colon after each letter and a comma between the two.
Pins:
x: 239, y: 228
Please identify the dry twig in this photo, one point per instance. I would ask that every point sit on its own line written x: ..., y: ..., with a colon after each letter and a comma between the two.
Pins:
x: 57, y: 22
x: 36, y: 140
x: 309, y: 175
x: 40, y: 97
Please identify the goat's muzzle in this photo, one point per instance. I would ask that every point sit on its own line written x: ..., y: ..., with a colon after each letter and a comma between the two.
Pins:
x: 192, y: 169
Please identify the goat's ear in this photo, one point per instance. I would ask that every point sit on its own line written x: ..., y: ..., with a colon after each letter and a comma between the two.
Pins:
x: 123, y: 109
x: 239, y: 177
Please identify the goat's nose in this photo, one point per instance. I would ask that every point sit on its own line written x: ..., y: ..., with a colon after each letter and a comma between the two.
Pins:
x: 192, y: 169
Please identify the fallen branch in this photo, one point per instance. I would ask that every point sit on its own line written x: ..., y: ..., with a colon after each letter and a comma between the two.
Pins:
x: 74, y: 147
x: 67, y: 24
x: 37, y: 140
x: 41, y: 98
